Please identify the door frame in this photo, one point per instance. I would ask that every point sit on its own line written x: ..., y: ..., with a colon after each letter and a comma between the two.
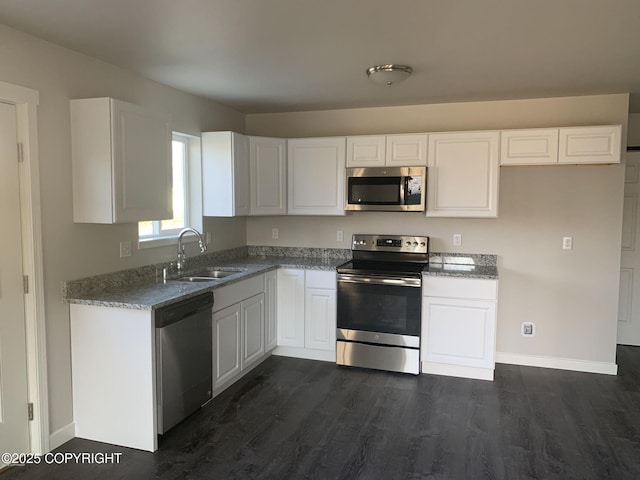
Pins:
x: 26, y: 102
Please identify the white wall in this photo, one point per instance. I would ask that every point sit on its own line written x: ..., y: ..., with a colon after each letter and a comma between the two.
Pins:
x: 79, y: 250
x: 633, y: 135
x: 572, y: 296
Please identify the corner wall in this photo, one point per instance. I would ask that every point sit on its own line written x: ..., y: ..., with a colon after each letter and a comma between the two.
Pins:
x: 572, y: 296
x: 79, y: 250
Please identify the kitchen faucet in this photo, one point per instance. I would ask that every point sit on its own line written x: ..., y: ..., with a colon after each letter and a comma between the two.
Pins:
x: 181, y: 255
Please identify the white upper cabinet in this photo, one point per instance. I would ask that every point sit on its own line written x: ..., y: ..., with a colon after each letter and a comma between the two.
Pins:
x: 407, y: 150
x: 268, y: 176
x: 225, y: 174
x: 402, y: 150
x: 121, y: 156
x: 600, y: 144
x: 463, y: 173
x: 366, y: 151
x: 537, y: 146
x: 316, y: 176
x: 569, y: 145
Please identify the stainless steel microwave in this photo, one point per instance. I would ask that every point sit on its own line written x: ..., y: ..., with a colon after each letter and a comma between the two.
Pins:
x: 396, y: 189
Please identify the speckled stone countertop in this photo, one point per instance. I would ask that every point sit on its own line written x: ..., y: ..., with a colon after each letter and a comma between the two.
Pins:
x: 144, y: 289
x: 462, y: 265
x: 152, y: 294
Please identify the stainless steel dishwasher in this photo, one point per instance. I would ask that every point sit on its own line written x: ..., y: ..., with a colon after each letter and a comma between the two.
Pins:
x: 183, y: 358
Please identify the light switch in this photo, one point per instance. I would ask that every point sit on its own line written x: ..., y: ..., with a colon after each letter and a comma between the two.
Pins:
x: 457, y: 239
x: 275, y: 233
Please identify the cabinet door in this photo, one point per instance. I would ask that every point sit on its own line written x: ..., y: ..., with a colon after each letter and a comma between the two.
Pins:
x: 142, y: 164
x: 290, y: 307
x: 252, y: 311
x: 600, y: 144
x: 270, y: 310
x: 121, y: 155
x: 227, y: 327
x: 316, y: 172
x: 407, y: 150
x: 268, y: 176
x: 366, y: 151
x: 225, y: 174
x: 320, y: 319
x: 458, y: 332
x: 462, y: 178
x: 537, y: 146
x: 241, y: 175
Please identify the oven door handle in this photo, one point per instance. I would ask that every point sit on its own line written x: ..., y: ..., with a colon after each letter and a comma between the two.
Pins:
x: 373, y: 280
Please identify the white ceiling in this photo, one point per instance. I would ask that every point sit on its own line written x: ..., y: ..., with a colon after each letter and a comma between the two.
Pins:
x: 291, y: 55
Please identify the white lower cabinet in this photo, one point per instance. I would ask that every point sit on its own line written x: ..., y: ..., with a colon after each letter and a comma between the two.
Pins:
x: 238, y: 330
x: 306, y: 314
x: 270, y: 310
x: 113, y: 375
x: 320, y: 318
x: 290, y: 307
x: 226, y: 345
x: 459, y: 327
x: 252, y: 318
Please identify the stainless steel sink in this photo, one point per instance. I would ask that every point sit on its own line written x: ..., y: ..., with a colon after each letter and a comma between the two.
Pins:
x: 209, y: 274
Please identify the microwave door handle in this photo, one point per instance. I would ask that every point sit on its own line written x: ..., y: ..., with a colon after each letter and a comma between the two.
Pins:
x: 404, y: 187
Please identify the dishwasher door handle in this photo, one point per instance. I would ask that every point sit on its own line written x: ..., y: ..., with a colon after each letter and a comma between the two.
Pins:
x: 170, y: 314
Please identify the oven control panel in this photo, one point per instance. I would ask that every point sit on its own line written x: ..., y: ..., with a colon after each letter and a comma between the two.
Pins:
x: 390, y: 243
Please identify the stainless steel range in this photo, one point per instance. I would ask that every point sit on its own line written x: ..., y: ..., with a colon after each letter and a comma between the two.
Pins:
x: 379, y: 303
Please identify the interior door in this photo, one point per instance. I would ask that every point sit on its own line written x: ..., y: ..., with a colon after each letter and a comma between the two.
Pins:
x: 629, y: 297
x: 14, y: 428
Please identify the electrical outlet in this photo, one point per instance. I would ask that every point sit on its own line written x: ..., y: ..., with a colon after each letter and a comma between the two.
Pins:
x: 528, y: 329
x: 567, y: 243
x: 125, y: 249
x: 275, y: 233
x: 339, y: 236
x: 207, y: 238
x: 457, y: 239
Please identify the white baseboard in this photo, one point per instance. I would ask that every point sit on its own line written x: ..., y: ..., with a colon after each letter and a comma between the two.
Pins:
x: 457, y: 371
x: 62, y: 435
x: 308, y: 353
x: 557, y: 363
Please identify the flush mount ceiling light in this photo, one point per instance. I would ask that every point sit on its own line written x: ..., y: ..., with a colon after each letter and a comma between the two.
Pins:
x: 389, y: 74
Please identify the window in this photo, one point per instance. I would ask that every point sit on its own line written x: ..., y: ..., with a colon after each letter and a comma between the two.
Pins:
x: 183, y: 148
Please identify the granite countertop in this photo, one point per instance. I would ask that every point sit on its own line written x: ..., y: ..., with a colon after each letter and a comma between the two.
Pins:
x: 489, y: 272
x: 463, y: 265
x: 134, y: 289
x: 156, y: 294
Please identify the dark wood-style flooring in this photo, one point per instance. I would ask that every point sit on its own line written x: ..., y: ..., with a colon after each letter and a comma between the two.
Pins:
x: 298, y: 419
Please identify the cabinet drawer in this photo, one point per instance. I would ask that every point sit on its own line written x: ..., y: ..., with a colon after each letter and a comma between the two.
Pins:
x: 320, y: 279
x: 476, y: 288
x: 234, y: 293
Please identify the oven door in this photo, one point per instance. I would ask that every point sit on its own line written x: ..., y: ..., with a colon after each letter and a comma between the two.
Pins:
x: 379, y: 309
